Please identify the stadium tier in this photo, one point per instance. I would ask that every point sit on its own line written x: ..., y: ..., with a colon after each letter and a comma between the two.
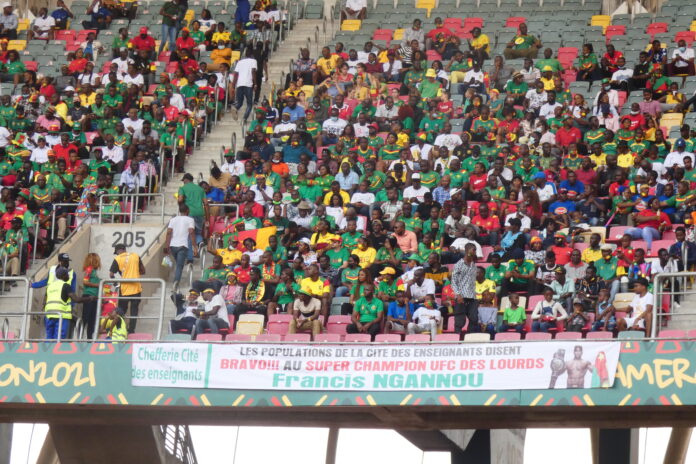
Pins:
x: 437, y: 171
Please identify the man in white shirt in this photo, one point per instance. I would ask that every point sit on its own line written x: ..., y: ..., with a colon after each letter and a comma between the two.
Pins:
x: 392, y: 67
x: 133, y: 77
x: 530, y: 74
x: 244, y: 83
x: 362, y: 199
x: 419, y: 287
x: 473, y: 78
x: 612, y: 94
x: 426, y: 320
x: 132, y: 123
x: 547, y: 109
x: 415, y: 192
x: 181, y: 234
x: 639, y: 312
x: 39, y: 154
x: 536, y: 96
x: 43, y: 26
x: 362, y: 127
x: 620, y: 77
x: 354, y: 9
x: 676, y: 158
x: 526, y: 221
x: 263, y: 194
x: 447, y: 139
x: 132, y: 179
x: 283, y: 130
x: 682, y: 60
x: 215, y: 315
x: 122, y: 63
x: 332, y: 128
x: 232, y: 166
x: 112, y: 152
x: 387, y: 113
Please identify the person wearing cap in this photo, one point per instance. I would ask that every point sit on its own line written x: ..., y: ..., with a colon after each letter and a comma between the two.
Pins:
x: 639, y: 312
x: 187, y: 311
x: 60, y: 297
x: 563, y: 289
x: 8, y: 22
x: 214, y: 315
x: 676, y: 157
x: 63, y: 261
x: 516, y: 88
x: 143, y: 42
x: 606, y: 268
x: 128, y: 266
x: 306, y: 312
x: 230, y: 255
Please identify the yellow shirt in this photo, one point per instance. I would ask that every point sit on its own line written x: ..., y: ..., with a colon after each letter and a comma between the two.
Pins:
x: 548, y: 83
x: 129, y: 268
x: 88, y: 100
x: 402, y: 139
x: 486, y: 286
x: 625, y: 160
x: 326, y: 65
x: 482, y: 41
x: 590, y: 256
x: 344, y: 196
x: 224, y: 36
x: 362, y: 93
x: 327, y: 238
x: 229, y: 256
x: 62, y: 110
x: 315, y: 288
x: 367, y: 256
x: 221, y: 56
x: 599, y: 160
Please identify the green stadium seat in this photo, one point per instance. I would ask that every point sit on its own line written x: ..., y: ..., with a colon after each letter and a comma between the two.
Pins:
x: 631, y: 334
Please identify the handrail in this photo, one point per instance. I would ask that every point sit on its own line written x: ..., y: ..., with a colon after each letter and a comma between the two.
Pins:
x: 26, y: 296
x: 659, y: 315
x: 57, y: 249
x: 133, y: 206
x: 53, y: 216
x: 159, y: 317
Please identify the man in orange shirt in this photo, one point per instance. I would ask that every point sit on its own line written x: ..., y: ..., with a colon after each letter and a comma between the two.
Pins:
x: 561, y: 248
x: 488, y: 226
x: 407, y: 240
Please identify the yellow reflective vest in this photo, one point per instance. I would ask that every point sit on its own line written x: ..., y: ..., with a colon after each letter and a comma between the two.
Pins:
x: 54, y: 301
x: 116, y: 330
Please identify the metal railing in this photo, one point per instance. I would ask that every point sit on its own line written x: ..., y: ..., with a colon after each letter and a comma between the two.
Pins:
x: 178, y: 443
x: 160, y: 316
x: 6, y: 258
x: 667, y: 288
x: 133, y: 212
x: 73, y: 226
x: 25, y: 296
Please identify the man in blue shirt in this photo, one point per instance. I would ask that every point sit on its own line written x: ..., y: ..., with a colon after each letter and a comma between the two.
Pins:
x: 562, y: 205
x: 347, y: 178
x: 293, y: 150
x: 61, y: 15
x: 398, y: 314
x: 573, y: 185
x: 295, y: 111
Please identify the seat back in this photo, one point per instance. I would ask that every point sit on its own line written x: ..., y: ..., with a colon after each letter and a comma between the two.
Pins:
x: 477, y: 337
x: 388, y: 338
x: 338, y: 324
x: 209, y: 338
x: 250, y: 324
x: 599, y: 335
x: 278, y: 323
x: 507, y: 336
x: 358, y: 338
x: 298, y: 337
x: 538, y: 336
x: 672, y: 334
x: 447, y: 337
x: 628, y: 334
x: 140, y: 336
x: 568, y: 336
x: 268, y: 338
x: 327, y: 338
x: 411, y: 338
x: 238, y: 337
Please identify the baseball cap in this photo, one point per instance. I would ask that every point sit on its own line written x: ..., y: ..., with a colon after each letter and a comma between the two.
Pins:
x: 540, y: 175
x: 547, y: 68
x: 606, y: 247
x: 69, y: 88
x: 560, y: 270
x: 209, y: 290
x: 388, y: 270
x: 63, y: 257
x: 680, y: 143
x: 143, y: 30
x: 430, y: 73
x: 120, y: 246
x: 642, y: 281
x: 416, y: 176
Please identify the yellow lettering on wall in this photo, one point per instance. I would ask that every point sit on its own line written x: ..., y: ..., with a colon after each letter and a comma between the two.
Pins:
x: 626, y: 377
x: 60, y: 375
x: 663, y: 373
x: 680, y: 375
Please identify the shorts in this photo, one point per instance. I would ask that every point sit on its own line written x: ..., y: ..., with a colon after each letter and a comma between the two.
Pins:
x: 632, y: 320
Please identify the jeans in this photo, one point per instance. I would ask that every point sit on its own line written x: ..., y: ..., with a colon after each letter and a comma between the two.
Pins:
x: 168, y: 34
x: 342, y: 291
x: 373, y: 330
x: 244, y: 93
x: 199, y: 221
x: 89, y: 317
x: 504, y: 327
x: 646, y: 233
x: 52, y: 328
x: 179, y: 254
x: 212, y: 323
x: 462, y: 311
x: 542, y: 326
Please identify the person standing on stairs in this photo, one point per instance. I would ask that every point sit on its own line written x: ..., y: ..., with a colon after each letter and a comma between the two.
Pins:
x: 181, y: 233
x: 193, y: 196
x: 128, y: 266
x: 261, y: 56
x: 244, y: 82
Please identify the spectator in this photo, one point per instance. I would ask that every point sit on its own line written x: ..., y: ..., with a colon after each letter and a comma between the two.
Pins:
x: 180, y: 235
x: 368, y: 313
x: 214, y: 315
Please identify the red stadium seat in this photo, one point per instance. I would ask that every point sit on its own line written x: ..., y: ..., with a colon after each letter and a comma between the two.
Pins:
x: 358, y: 338
x: 164, y: 57
x: 338, y: 324
x: 233, y: 337
x: 640, y: 244
x: 447, y: 337
x: 486, y: 251
x: 569, y: 75
x: 433, y: 55
x: 65, y: 35
x: 470, y: 23
x: 209, y: 337
x: 82, y: 35
x: 268, y: 338
x: 686, y: 36
x: 452, y: 23
x: 538, y: 336
x: 672, y: 334
x: 417, y: 338
x: 298, y: 337
x: 278, y: 323
x: 383, y: 34
x: 581, y: 246
x: 622, y: 98
x: 508, y: 336
x: 388, y: 338
x: 612, y: 31
x: 532, y: 301
x: 328, y: 338
x: 599, y: 335
x: 140, y: 336
x: 515, y: 21
x: 615, y: 233
x: 569, y: 336
x: 656, y: 28
x: 171, y: 67
x: 657, y: 244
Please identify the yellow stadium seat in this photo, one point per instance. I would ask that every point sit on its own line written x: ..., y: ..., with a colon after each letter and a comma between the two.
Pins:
x: 236, y: 54
x: 601, y: 20
x: 308, y: 91
x: 23, y: 25
x: 18, y: 45
x: 670, y: 120
x: 351, y: 25
x: 250, y: 324
x: 426, y: 4
x: 693, y: 26
x: 398, y: 34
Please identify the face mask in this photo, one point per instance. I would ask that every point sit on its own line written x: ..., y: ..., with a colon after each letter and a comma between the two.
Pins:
x: 607, y: 87
x: 221, y: 47
x: 334, y: 118
x: 634, y: 112
x: 682, y: 49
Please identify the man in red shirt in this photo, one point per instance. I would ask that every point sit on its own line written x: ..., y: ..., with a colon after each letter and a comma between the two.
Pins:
x: 144, y: 41
x: 568, y: 133
x: 635, y: 116
x: 439, y: 29
x: 610, y: 59
x: 561, y: 248
x: 185, y: 41
x: 9, y: 215
x: 488, y: 226
x: 62, y: 150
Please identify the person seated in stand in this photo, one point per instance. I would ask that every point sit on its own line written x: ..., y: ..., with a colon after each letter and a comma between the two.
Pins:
x: 577, y: 319
x: 514, y: 315
x: 306, y: 313
x: 368, y: 313
x: 398, y: 314
x: 427, y: 318
x: 488, y: 312
x: 187, y: 312
x: 606, y: 313
x: 639, y: 312
x: 547, y: 312
x: 214, y: 314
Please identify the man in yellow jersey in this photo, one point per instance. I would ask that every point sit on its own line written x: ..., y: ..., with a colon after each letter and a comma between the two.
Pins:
x: 128, y: 266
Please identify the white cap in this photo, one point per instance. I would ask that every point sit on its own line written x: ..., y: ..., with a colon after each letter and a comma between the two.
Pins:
x: 415, y: 176
x: 69, y: 88
x: 305, y: 240
x: 6, y: 5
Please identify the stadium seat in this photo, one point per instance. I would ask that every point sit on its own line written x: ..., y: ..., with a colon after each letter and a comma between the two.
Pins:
x: 657, y: 244
x: 358, y: 338
x: 250, y: 324
x: 177, y: 337
x: 612, y: 31
x: 672, y: 334
x: 538, y: 336
x: 622, y: 300
x: 656, y: 28
x: 18, y: 45
x: 599, y: 335
x: 687, y: 36
x: 336, y: 304
x: 514, y: 21
x: 505, y: 302
x: 209, y: 337
x: 388, y: 338
x: 238, y: 337
x: 447, y: 337
x: 338, y: 324
x: 477, y: 337
x: 600, y: 20
x: 628, y: 334
x: 278, y: 323
x: 268, y: 338
x: 615, y: 233
x: 298, y: 337
x: 140, y: 336
x: 568, y: 336
x: 351, y: 25
x: 507, y: 336
x: 411, y: 338
x: 670, y: 120
x: 328, y: 338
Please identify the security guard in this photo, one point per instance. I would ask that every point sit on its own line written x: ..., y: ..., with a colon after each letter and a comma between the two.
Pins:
x: 59, y: 299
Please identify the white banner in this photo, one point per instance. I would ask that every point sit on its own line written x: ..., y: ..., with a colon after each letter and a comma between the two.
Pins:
x: 377, y: 367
